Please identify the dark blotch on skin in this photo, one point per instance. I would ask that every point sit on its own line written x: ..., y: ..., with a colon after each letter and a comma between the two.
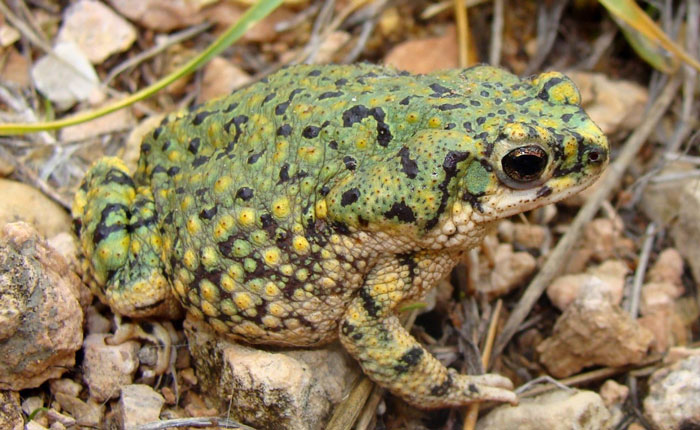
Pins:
x: 401, y: 211
x: 311, y: 131
x: 284, y: 130
x: 350, y: 163
x: 408, y: 166
x: 245, y: 193
x: 350, y: 196
x: 193, y: 146
x: 409, y: 359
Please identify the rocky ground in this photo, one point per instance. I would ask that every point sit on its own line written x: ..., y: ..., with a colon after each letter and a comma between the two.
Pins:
x: 616, y: 332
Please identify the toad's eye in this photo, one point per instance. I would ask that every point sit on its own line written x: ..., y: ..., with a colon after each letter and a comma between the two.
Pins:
x: 525, y: 164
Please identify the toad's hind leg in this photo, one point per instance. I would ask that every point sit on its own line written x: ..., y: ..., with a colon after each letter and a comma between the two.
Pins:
x: 390, y: 356
x: 119, y: 236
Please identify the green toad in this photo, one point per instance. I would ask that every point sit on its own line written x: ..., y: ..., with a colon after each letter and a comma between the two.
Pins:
x: 309, y: 206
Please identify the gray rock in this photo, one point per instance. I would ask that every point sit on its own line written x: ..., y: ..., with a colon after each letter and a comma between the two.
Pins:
x: 139, y: 404
x: 673, y: 402
x: 40, y: 314
x: 290, y: 389
x: 557, y: 410
x: 108, y: 368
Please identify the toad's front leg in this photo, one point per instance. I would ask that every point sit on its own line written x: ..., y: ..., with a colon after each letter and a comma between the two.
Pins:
x: 390, y: 356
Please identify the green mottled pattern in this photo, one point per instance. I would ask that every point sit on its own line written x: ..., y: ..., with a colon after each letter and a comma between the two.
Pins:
x: 312, y: 203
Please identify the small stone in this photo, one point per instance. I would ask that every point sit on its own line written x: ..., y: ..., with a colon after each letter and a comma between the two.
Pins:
x: 20, y: 202
x: 161, y: 15
x: 220, y: 78
x: 96, y: 30
x: 510, y: 270
x: 530, y: 236
x: 8, y: 35
x: 65, y: 386
x: 85, y: 413
x: 108, y: 368
x: 67, y: 79
x: 40, y: 313
x: 613, y: 393
x: 33, y: 425
x: 96, y: 322
x: 557, y: 410
x: 139, y: 404
x: 291, y: 389
x: 329, y: 46
x: 601, y: 235
x: 10, y: 411
x: 668, y: 267
x: 659, y: 296
x: 14, y: 69
x: 593, y: 331
x: 31, y: 404
x: 425, y: 55
x: 614, y: 105
x: 686, y: 230
x: 608, y: 276
x: 119, y: 120
x: 674, y: 396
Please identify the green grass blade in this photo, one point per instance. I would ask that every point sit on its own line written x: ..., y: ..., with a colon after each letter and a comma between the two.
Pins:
x: 254, y: 14
x: 631, y: 14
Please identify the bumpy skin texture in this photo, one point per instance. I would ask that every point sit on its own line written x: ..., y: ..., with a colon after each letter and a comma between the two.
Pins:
x: 312, y: 204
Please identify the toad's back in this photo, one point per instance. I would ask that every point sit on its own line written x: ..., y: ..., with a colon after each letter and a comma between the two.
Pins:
x: 266, y: 212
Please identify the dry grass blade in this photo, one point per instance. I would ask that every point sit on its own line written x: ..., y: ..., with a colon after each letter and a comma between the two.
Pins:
x: 462, y: 32
x: 347, y: 412
x: 198, y: 423
x: 629, y: 12
x: 473, y: 409
x: 611, y: 179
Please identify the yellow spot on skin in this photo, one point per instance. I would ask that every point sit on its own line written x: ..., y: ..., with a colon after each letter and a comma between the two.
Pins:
x: 271, y: 256
x: 208, y: 291
x: 434, y: 122
x: 218, y: 325
x: 270, y: 321
x: 209, y: 257
x: 287, y: 269
x: 276, y: 309
x: 227, y: 283
x: 223, y: 227
x: 196, y: 313
x: 135, y: 246
x: 236, y: 271
x: 227, y: 307
x: 242, y: 300
x: 223, y: 184
x: 193, y: 225
x: 335, y: 239
x: 302, y: 274
x: 186, y: 202
x: 412, y: 117
x: 299, y: 294
x: 280, y: 208
x: 156, y: 242
x: 321, y: 209
x: 189, y: 259
x: 361, y: 144
x: 258, y: 237
x: 247, y: 328
x: 246, y: 217
x: 208, y: 309
x: 271, y: 289
x: 301, y: 245
x: 174, y: 156
x: 179, y: 287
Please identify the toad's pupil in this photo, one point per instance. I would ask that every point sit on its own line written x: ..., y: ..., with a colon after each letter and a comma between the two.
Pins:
x: 525, y: 164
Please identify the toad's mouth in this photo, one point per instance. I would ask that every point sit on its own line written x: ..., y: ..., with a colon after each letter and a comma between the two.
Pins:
x: 509, y: 202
